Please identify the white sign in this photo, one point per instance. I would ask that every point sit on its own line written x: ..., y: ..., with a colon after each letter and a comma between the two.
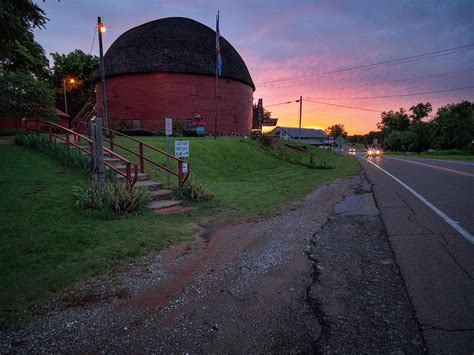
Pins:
x: 168, y: 126
x: 181, y: 149
x: 184, y: 168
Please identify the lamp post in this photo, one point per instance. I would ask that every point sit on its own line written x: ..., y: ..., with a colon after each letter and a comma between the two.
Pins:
x: 101, y: 29
x: 71, y: 81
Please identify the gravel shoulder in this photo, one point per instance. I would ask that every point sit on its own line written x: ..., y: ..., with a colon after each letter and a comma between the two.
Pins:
x: 318, y: 276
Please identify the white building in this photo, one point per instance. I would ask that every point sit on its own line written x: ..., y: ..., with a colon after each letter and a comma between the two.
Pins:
x: 308, y: 135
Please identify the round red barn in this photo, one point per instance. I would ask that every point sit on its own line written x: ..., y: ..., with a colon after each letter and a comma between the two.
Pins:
x: 166, y: 68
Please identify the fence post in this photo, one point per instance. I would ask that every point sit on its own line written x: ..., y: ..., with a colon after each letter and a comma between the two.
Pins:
x: 180, y: 172
x: 111, y: 136
x: 142, y: 161
x: 135, y: 172
x: 99, y: 167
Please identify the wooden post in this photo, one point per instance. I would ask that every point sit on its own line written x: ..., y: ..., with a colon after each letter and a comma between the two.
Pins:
x: 99, y: 167
x: 142, y: 161
x: 299, y: 127
x: 100, y: 27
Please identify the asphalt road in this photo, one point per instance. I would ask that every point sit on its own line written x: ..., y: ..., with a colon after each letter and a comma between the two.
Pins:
x: 427, y: 207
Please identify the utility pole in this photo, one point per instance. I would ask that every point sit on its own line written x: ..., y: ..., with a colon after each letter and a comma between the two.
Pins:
x: 100, y: 30
x: 301, y: 111
x: 98, y: 153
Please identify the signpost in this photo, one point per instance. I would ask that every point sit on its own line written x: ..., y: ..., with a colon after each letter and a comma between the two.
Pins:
x: 270, y: 122
x: 260, y: 113
x: 168, y: 132
x: 181, y: 149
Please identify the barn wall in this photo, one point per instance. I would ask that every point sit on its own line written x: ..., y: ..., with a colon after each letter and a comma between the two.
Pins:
x: 150, y: 97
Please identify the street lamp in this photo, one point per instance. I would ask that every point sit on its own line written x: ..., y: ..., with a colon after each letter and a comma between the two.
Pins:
x: 70, y: 81
x: 101, y: 29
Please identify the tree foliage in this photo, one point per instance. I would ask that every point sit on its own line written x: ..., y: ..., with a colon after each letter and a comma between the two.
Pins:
x: 79, y: 66
x: 18, y: 49
x: 22, y: 96
x: 393, y: 121
x: 453, y: 126
x: 336, y: 130
x: 420, y: 111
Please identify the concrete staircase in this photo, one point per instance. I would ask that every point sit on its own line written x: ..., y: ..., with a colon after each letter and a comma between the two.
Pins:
x: 160, y: 197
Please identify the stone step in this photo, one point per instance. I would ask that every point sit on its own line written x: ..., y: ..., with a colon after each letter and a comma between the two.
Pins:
x: 141, y: 177
x: 112, y: 160
x: 106, y: 155
x: 156, y: 205
x: 161, y: 195
x: 149, y: 184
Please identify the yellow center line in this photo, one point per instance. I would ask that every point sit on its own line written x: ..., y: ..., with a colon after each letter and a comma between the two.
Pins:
x: 434, y: 166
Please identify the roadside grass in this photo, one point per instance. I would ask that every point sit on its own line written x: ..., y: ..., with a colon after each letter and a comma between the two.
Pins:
x: 452, y: 154
x: 48, y: 244
x: 245, y: 179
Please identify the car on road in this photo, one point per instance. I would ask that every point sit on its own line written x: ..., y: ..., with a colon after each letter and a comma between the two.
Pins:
x: 352, y: 151
x: 374, y: 152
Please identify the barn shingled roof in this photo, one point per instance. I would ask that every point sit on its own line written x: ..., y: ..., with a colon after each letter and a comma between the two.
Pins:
x: 176, y: 45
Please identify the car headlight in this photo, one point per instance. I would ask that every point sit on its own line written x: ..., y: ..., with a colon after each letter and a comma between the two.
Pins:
x: 377, y: 152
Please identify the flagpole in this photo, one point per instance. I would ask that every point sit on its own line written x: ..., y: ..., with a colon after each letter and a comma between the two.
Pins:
x: 217, y: 77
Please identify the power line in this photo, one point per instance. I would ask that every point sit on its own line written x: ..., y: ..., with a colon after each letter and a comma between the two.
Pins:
x: 351, y: 107
x: 322, y: 75
x: 414, y: 57
x: 387, y: 82
x: 281, y: 103
x: 387, y: 96
x: 93, y: 40
x: 406, y: 79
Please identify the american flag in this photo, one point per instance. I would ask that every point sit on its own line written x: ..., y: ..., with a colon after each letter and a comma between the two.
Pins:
x: 218, y: 47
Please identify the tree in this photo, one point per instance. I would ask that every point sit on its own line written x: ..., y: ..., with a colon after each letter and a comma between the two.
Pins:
x: 22, y: 96
x: 336, y: 130
x: 420, y: 111
x: 82, y: 68
x: 394, y: 121
x: 453, y: 126
x: 422, y: 135
x: 18, y: 49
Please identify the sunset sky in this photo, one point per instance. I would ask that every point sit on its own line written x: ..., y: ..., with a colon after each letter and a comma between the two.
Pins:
x: 284, y: 40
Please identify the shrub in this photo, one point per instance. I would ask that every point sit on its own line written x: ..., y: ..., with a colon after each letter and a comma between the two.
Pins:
x: 116, y: 196
x: 7, y: 131
x: 194, y: 191
x: 71, y: 157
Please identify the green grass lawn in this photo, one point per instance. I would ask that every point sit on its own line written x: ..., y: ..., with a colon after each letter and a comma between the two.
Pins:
x: 438, y: 154
x: 47, y: 244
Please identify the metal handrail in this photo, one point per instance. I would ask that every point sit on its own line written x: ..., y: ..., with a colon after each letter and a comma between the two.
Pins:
x: 182, y: 177
x: 127, y: 174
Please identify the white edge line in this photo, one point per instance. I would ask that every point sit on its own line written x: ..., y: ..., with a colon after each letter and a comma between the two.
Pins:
x: 435, y: 209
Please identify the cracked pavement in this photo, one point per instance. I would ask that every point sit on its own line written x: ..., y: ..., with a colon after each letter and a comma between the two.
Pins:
x: 436, y: 262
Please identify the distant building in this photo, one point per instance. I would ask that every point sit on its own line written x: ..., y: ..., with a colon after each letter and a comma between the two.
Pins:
x: 166, y: 68
x: 9, y: 122
x: 308, y: 135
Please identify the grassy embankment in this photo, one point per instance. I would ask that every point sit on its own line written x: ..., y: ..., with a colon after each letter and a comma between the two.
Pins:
x: 47, y: 244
